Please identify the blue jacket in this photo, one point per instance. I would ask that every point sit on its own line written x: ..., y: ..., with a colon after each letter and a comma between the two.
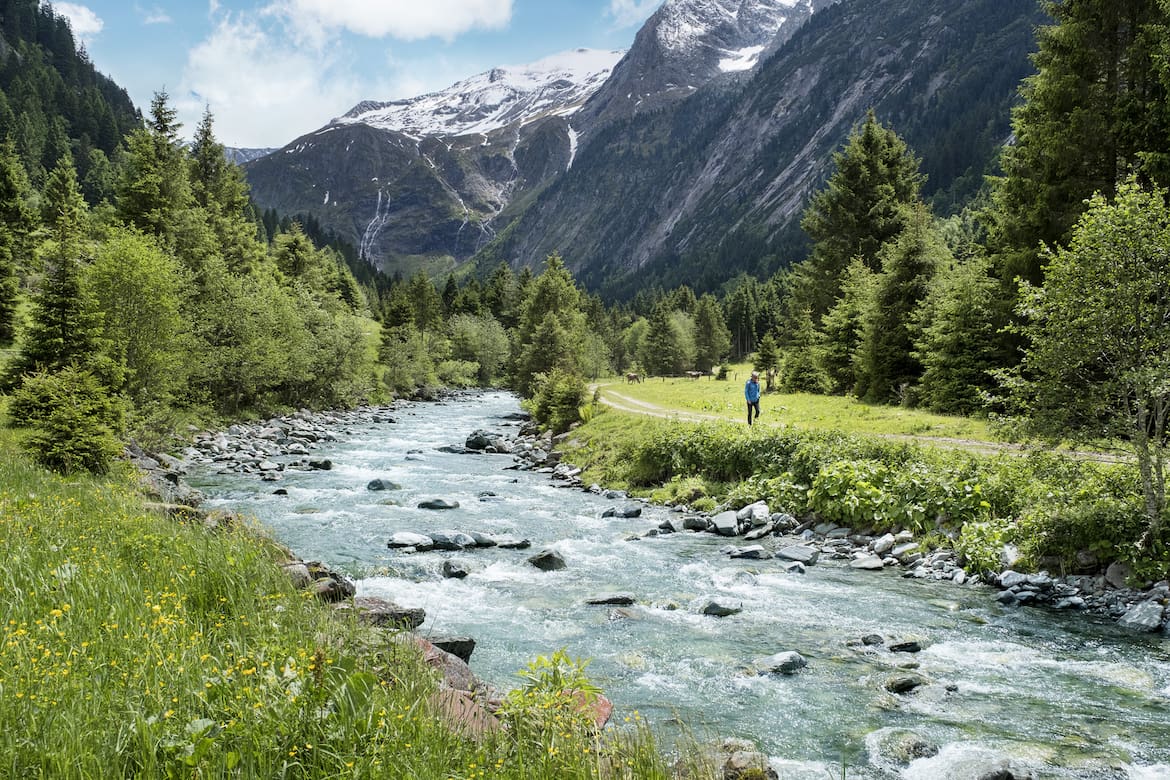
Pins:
x: 751, y: 391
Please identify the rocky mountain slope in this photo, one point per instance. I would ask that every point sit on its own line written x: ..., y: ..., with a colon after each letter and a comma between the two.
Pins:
x: 715, y: 184
x: 428, y: 182
x: 688, y: 160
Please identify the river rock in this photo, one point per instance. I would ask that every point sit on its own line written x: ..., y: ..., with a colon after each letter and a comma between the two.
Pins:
x: 755, y: 552
x: 696, y: 523
x: 321, y: 465
x: 868, y: 563
x: 512, y: 543
x: 748, y: 765
x: 438, y: 504
x: 1144, y: 616
x: 788, y: 662
x: 754, y: 514
x: 298, y: 573
x: 899, y: 746
x: 451, y: 540
x: 419, y: 542
x: 725, y: 523
x: 455, y: 570
x: 483, y: 540
x: 459, y: 646
x: 382, y: 484
x: 478, y: 440
x: 1118, y: 574
x: 721, y: 609
x: 1012, y: 579
x: 612, y: 599
x: 767, y: 529
x: 628, y: 511
x: 904, y: 683
x: 800, y: 553
x: 793, y: 567
x: 382, y: 612
x: 548, y: 560
x: 883, y: 544
x: 906, y: 645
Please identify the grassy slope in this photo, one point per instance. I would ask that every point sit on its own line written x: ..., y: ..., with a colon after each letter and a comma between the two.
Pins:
x: 134, y: 646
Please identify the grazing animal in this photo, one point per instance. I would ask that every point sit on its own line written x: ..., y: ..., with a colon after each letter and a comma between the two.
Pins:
x: 694, y: 374
x: 632, y: 377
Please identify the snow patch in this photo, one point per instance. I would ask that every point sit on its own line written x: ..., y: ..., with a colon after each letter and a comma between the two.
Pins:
x: 559, y: 84
x: 572, y: 147
x: 744, y: 59
x: 326, y: 201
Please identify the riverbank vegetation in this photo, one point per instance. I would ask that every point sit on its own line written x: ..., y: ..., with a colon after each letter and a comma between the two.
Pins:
x: 137, y: 646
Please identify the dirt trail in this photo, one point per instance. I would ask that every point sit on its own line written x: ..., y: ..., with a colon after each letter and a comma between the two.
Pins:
x: 624, y: 403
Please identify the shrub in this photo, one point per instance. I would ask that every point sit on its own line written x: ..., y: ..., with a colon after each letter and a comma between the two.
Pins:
x: 980, y: 544
x: 782, y: 493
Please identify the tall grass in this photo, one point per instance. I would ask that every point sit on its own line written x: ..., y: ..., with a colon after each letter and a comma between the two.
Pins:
x: 134, y: 646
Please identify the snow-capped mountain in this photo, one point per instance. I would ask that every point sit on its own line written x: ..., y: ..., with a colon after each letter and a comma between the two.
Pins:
x: 556, y: 85
x: 687, y: 43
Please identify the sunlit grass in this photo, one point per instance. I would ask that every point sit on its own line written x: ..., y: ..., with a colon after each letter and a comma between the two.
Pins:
x: 134, y: 646
x: 709, y: 398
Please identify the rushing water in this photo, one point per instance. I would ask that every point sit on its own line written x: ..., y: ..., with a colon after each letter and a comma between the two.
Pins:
x: 1062, y: 695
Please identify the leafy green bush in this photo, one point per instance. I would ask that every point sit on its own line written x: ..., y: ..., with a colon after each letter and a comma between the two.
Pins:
x: 782, y: 493
x: 458, y: 373
x: 980, y: 544
x: 73, y: 420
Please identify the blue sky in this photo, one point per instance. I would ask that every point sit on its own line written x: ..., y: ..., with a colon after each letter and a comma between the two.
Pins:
x: 272, y: 70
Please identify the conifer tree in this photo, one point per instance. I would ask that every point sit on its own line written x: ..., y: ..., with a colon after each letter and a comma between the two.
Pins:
x: 843, y: 327
x: 1097, y: 109
x: 801, y: 370
x: 768, y: 360
x: 908, y: 265
x: 860, y: 209
x: 553, y: 295
x: 64, y: 326
x: 16, y: 222
x: 712, y: 338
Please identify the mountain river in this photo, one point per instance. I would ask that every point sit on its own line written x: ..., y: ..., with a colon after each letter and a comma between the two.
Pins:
x: 1055, y: 694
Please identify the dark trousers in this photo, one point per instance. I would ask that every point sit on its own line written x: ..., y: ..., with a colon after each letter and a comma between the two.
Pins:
x: 753, y: 405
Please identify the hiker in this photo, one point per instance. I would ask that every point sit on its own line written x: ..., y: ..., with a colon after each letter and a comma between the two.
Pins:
x: 751, y: 391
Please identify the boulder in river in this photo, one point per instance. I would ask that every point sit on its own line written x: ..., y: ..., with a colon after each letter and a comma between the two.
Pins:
x: 451, y: 540
x: 721, y: 609
x: 788, y: 662
x: 868, y: 563
x: 725, y: 523
x: 904, y: 683
x: 898, y: 746
x: 382, y: 612
x: 438, y: 504
x: 628, y: 511
x: 799, y: 552
x: 1144, y: 616
x: 612, y: 599
x: 512, y: 543
x: 753, y: 552
x: 455, y: 570
x: 382, y: 484
x: 420, y: 542
x: 548, y: 560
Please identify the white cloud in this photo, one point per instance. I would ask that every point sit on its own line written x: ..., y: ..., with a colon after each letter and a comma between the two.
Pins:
x: 262, y: 89
x: 155, y: 15
x: 403, y: 20
x: 628, y: 13
x: 84, y: 22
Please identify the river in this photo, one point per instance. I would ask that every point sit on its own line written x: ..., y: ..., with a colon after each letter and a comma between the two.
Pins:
x: 1058, y: 695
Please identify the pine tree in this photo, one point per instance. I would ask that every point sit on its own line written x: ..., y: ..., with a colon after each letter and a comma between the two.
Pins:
x: 860, y: 209
x: 553, y: 295
x: 1097, y: 109
x: 801, y: 371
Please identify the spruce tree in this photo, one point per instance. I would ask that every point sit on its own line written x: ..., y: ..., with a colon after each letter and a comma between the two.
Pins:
x: 843, y: 327
x: 712, y: 338
x: 1097, y: 109
x: 768, y: 359
x: 64, y: 326
x: 860, y: 209
x: 16, y: 222
x: 908, y: 265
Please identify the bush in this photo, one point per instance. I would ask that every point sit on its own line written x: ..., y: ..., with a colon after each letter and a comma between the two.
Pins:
x: 73, y: 420
x: 782, y: 493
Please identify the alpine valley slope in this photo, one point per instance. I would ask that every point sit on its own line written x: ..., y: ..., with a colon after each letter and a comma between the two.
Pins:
x: 715, y: 184
x: 688, y: 160
x: 421, y: 183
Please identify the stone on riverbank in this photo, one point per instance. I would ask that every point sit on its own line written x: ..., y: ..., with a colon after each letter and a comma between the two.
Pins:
x: 384, y: 613
x: 799, y: 553
x: 1146, y: 616
x: 726, y: 523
